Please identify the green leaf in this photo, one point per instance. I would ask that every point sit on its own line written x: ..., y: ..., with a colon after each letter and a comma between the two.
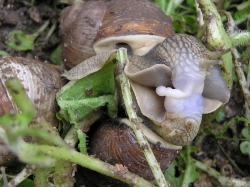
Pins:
x: 55, y: 56
x: 171, y: 174
x: 246, y: 131
x: 245, y: 147
x: 241, y: 15
x: 82, y: 141
x: 4, y: 54
x: 182, y: 171
x: 18, y: 40
x: 220, y: 116
x: 89, y: 94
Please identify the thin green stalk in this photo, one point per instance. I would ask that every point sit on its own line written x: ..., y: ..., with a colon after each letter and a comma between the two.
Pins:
x: 70, y: 2
x: 224, y: 181
x: 241, y: 76
x: 127, y: 97
x: 41, y: 177
x: 63, y: 175
x: 4, y: 177
x: 216, y: 36
x: 88, y: 162
x: 231, y: 161
x: 63, y: 169
x: 24, y: 174
x: 243, y: 5
x: 240, y: 38
x: 19, y: 96
x: 52, y: 29
x: 40, y: 30
x: 187, y: 169
x: 172, y: 5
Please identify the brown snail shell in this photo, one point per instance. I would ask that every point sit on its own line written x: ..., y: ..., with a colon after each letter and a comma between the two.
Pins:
x: 114, y: 142
x: 78, y: 30
x: 92, y: 27
x: 41, y: 82
x: 124, y: 18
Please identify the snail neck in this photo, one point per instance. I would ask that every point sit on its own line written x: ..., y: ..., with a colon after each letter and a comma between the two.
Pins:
x: 179, y: 102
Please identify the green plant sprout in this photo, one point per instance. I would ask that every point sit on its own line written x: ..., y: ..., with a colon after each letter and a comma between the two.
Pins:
x: 187, y: 174
x: 224, y: 181
x: 20, y: 41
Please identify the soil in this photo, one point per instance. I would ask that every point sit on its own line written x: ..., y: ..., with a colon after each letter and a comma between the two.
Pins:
x: 20, y: 15
x: 222, y: 154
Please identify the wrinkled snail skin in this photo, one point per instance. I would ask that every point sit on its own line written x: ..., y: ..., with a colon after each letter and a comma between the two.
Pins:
x: 188, y: 61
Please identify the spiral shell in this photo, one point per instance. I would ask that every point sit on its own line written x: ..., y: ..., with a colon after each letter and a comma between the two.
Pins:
x: 41, y: 82
x: 114, y: 142
x: 90, y: 28
x: 78, y: 29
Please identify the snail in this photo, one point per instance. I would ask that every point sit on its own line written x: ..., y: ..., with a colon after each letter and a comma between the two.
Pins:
x: 41, y: 82
x: 112, y: 133
x: 174, y: 77
x: 179, y: 68
x: 88, y: 28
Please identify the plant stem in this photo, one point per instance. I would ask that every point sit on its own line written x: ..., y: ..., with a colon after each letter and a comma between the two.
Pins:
x: 41, y: 177
x: 217, y: 36
x: 20, y: 177
x: 63, y: 175
x: 224, y: 181
x: 52, y: 29
x: 231, y: 161
x: 64, y: 169
x: 188, y: 163
x: 127, y: 97
x: 70, y: 2
x: 240, y: 38
x: 241, y: 76
x: 4, y: 177
x: 19, y: 96
x: 40, y: 30
x: 89, y: 162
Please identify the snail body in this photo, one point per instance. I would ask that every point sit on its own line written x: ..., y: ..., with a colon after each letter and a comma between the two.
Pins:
x: 188, y: 61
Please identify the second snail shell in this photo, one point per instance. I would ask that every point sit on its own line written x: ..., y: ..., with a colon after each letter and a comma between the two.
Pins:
x: 41, y: 82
